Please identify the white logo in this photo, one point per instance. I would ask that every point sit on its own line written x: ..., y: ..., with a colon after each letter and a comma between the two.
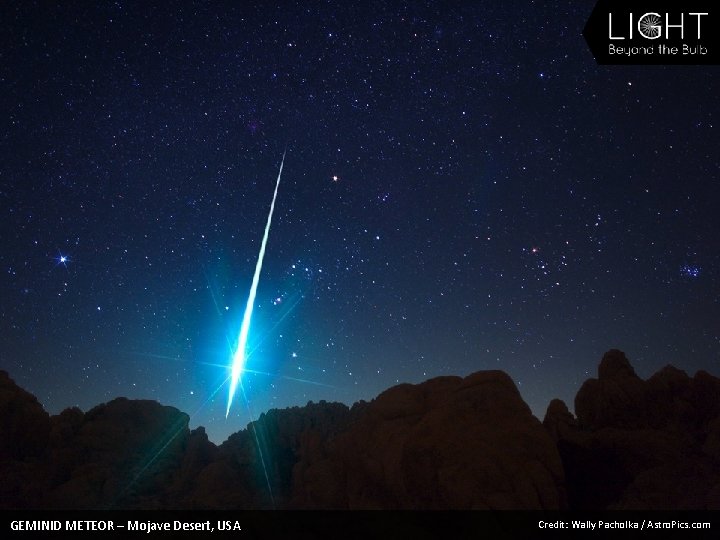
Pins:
x: 653, y: 25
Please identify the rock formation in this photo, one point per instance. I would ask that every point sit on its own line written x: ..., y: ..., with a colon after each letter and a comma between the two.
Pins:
x: 640, y: 444
x: 447, y: 443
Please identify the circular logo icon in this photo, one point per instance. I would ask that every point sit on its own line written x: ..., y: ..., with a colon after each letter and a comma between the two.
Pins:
x: 649, y: 26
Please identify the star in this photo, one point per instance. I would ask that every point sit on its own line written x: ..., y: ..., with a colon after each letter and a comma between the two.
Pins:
x: 62, y: 260
x: 335, y: 178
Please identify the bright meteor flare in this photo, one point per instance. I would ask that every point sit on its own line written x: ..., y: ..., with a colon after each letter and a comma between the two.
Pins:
x: 238, y: 363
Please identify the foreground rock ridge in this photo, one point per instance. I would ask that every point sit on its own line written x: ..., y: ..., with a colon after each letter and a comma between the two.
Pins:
x: 447, y: 443
x: 640, y: 444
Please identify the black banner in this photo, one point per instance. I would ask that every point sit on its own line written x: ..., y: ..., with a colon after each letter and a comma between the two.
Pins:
x: 657, y: 32
x: 347, y: 525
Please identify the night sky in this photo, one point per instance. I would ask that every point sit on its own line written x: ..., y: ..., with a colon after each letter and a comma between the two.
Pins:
x: 464, y: 189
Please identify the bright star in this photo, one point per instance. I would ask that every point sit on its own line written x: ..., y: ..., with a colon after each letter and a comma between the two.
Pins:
x: 62, y: 259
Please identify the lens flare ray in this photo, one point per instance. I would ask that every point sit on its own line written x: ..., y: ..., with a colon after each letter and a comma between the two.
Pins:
x: 238, y: 361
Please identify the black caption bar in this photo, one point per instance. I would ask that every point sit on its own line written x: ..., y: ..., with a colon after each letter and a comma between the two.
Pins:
x: 355, y: 524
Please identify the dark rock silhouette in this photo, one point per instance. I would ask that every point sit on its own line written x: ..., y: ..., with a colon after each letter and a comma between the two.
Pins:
x: 640, y: 444
x: 23, y: 422
x: 121, y: 452
x: 239, y: 477
x: 447, y: 443
x: 24, y: 435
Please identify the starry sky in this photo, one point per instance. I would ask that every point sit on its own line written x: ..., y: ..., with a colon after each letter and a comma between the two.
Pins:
x: 464, y: 189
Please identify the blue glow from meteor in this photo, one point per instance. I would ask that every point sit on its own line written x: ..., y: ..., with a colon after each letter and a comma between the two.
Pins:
x: 238, y: 361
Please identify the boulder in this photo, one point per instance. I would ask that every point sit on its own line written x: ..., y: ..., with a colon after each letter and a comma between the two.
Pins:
x: 24, y: 424
x: 447, y: 443
x: 119, y: 454
x: 639, y: 444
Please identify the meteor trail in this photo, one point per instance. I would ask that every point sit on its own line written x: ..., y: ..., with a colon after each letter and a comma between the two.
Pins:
x: 238, y: 362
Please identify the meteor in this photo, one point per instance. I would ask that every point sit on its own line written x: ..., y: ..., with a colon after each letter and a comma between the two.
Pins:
x: 238, y: 362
